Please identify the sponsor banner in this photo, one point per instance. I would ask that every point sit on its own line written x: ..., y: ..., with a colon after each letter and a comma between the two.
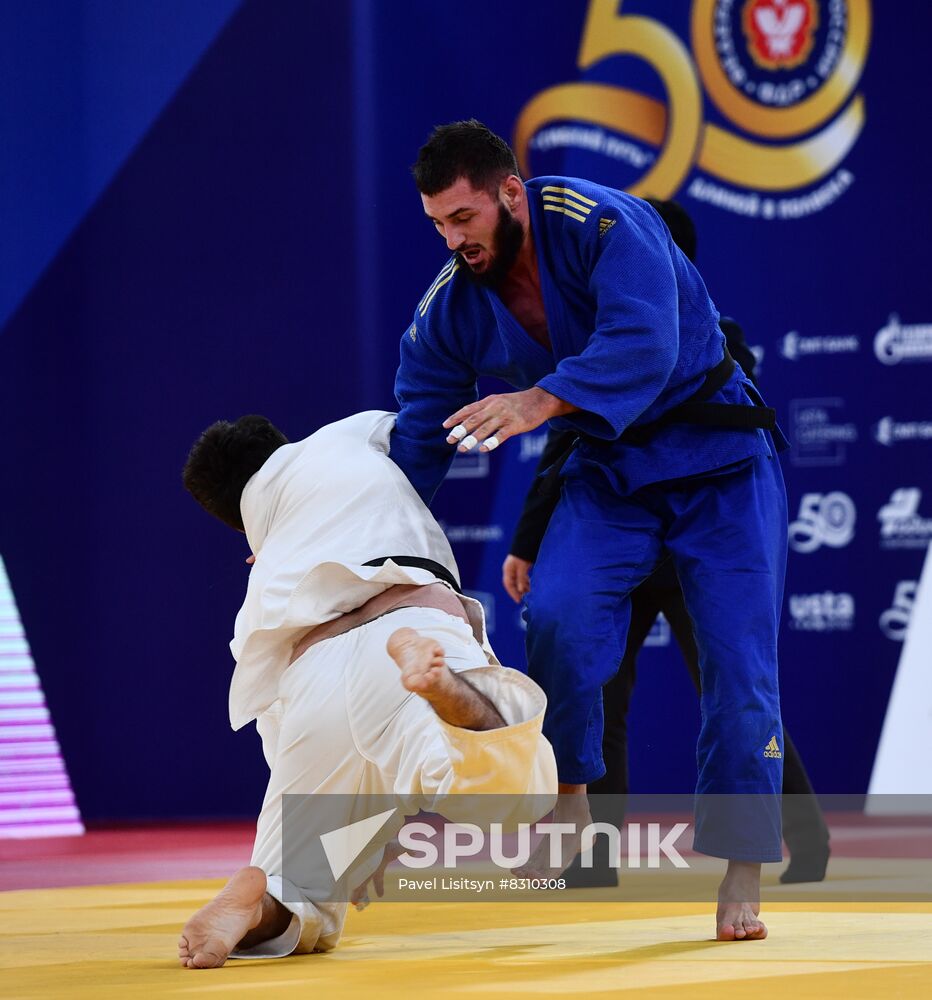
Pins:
x: 473, y: 532
x: 901, y: 524
x: 824, y: 612
x: 817, y: 435
x: 824, y: 519
x: 779, y: 79
x: 503, y: 848
x: 903, y: 342
x: 889, y: 431
x: 794, y: 345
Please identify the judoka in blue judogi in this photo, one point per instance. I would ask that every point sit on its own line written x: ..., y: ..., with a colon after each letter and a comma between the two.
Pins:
x: 609, y: 331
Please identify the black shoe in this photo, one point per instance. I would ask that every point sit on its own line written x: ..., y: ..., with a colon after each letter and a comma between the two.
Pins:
x: 806, y: 866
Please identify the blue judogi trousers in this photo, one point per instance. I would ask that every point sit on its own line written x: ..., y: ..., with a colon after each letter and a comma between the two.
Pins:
x: 726, y: 532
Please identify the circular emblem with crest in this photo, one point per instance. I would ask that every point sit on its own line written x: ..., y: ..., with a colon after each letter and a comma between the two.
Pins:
x: 780, y: 67
x: 779, y: 52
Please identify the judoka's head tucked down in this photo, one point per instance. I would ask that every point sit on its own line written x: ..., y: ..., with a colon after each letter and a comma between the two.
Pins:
x: 472, y: 191
x: 224, y: 458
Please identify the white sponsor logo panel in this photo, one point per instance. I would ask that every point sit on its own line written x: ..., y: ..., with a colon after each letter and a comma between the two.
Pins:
x: 823, y: 612
x: 823, y: 519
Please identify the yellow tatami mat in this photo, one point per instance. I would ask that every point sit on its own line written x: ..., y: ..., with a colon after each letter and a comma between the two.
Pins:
x: 119, y: 941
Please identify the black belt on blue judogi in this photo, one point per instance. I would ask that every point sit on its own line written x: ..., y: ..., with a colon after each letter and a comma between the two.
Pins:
x: 695, y: 410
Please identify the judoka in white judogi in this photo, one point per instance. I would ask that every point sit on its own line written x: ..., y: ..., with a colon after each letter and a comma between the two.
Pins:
x: 338, y: 720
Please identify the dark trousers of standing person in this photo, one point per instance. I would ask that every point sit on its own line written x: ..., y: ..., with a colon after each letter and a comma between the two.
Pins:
x: 804, y: 829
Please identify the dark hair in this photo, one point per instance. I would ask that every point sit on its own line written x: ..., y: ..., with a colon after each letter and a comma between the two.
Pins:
x: 224, y: 458
x: 679, y: 222
x: 463, y: 149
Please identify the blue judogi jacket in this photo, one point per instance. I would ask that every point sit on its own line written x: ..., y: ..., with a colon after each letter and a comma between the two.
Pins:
x: 633, y: 333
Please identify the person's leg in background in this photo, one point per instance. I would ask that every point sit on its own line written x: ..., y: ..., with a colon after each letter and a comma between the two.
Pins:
x: 607, y: 795
x: 804, y: 828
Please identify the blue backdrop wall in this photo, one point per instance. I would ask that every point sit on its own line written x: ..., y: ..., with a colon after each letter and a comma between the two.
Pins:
x: 207, y: 212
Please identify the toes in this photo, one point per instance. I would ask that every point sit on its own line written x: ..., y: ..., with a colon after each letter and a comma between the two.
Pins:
x: 748, y: 927
x: 417, y: 683
x: 420, y: 680
x: 742, y: 929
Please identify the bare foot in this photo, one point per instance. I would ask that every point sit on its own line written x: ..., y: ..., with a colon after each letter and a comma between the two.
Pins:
x: 423, y: 667
x: 424, y: 671
x: 739, y: 904
x: 546, y: 862
x: 216, y: 929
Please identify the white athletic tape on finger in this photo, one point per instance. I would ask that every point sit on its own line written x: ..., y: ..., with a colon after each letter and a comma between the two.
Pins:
x: 468, y: 442
x: 491, y: 443
x: 458, y: 432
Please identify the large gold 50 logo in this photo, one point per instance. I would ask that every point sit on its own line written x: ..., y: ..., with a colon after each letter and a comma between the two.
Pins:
x: 677, y: 128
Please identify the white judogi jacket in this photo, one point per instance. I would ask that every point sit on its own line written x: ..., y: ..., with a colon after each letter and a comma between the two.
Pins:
x: 314, y: 514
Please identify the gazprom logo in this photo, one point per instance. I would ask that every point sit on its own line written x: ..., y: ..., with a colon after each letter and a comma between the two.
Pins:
x: 898, y: 342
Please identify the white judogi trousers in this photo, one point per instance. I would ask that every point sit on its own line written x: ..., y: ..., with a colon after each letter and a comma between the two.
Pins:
x: 343, y: 723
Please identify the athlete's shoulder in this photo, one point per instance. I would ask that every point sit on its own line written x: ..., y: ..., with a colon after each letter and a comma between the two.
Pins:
x: 441, y: 292
x: 343, y: 443
x: 570, y: 197
x: 594, y: 208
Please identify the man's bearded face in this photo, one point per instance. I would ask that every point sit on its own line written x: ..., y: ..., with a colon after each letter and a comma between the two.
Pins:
x: 479, y: 228
x: 492, y: 266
